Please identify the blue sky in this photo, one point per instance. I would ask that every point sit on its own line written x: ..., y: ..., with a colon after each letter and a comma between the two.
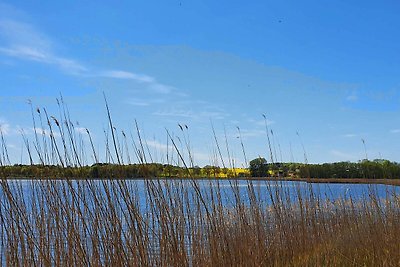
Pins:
x: 328, y: 70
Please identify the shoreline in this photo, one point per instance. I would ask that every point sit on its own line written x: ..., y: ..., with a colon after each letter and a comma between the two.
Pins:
x: 393, y: 182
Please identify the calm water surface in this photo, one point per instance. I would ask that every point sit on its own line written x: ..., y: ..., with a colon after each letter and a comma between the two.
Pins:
x: 263, y: 190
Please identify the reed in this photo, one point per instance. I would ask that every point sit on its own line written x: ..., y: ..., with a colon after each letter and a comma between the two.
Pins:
x: 182, y: 222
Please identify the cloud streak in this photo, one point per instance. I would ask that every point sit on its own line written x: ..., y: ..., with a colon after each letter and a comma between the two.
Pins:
x: 80, y: 130
x: 23, y: 41
x: 151, y: 82
x: 119, y: 74
x: 5, y: 128
x: 158, y: 146
x: 33, y: 54
x: 189, y: 113
x: 350, y: 135
x: 45, y: 132
x: 352, y: 98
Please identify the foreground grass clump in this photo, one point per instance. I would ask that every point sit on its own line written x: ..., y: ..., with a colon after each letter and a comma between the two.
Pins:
x: 180, y: 223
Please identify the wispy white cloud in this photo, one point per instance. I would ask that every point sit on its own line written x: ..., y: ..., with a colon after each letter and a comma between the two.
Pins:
x: 12, y: 146
x: 157, y: 145
x: 5, y: 127
x: 161, y: 88
x: 152, y: 84
x: 350, y: 135
x: 395, y: 131
x: 23, y: 41
x: 31, y: 53
x: 16, y: 33
x: 80, y: 130
x: 189, y: 113
x: 120, y: 74
x: 45, y: 132
x: 144, y: 102
x: 172, y: 112
x: 138, y: 102
x: 352, y: 98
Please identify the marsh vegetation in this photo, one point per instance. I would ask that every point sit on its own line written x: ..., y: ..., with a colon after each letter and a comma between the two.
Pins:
x: 48, y: 221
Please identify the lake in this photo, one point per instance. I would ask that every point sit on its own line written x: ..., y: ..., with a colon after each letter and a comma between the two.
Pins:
x: 263, y: 190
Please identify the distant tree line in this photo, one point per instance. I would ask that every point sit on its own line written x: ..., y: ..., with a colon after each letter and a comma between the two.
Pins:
x: 110, y: 171
x: 259, y: 167
x: 96, y: 171
x: 375, y: 169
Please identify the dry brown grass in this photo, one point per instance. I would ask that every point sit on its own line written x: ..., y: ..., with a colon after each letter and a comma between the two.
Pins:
x: 104, y: 223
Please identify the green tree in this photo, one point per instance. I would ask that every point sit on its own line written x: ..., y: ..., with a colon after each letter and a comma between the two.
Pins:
x: 259, y: 167
x: 208, y: 170
x: 196, y: 171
